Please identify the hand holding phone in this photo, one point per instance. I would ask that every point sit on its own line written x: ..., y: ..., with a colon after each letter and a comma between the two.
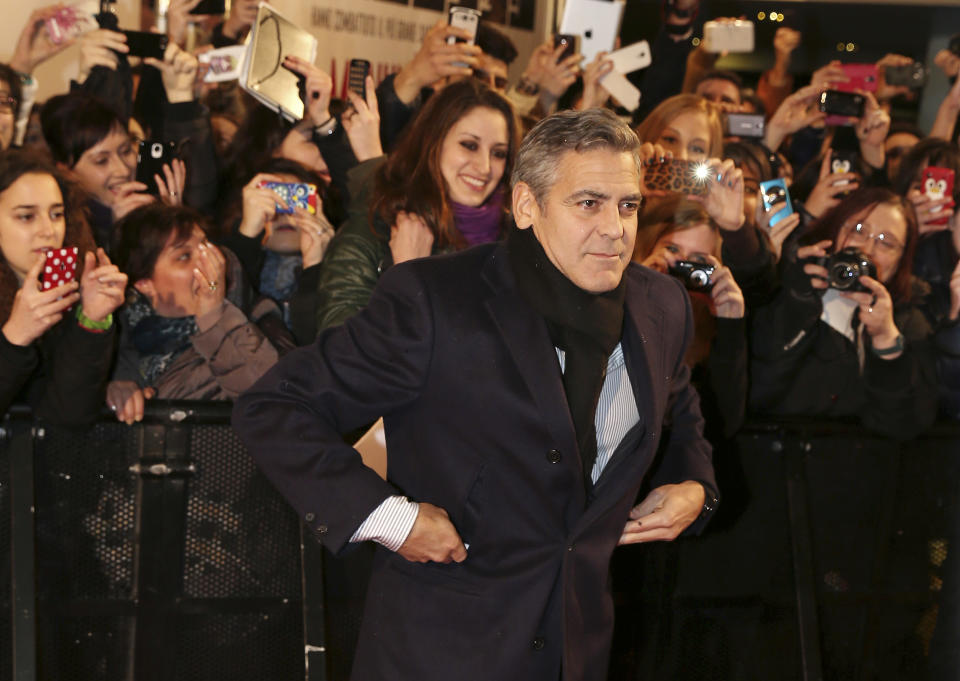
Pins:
x: 146, y: 44
x: 357, y: 77
x: 776, y: 200
x: 152, y: 155
x: 294, y: 195
x: 937, y: 185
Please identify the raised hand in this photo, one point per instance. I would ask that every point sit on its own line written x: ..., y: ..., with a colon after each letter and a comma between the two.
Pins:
x: 876, y: 313
x: 99, y: 48
x: 315, y: 235
x: 796, y: 112
x: 34, y: 45
x: 179, y: 72
x: 724, y: 200
x: 209, y: 277
x: 178, y: 18
x: 594, y: 94
x: 318, y: 86
x: 259, y: 204
x: 102, y: 287
x: 725, y: 296
x: 129, y: 197
x: 436, y: 59
x: 170, y: 186
x: 829, y: 188
x: 362, y: 125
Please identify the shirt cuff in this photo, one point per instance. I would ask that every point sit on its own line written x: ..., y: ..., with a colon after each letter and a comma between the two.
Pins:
x: 389, y: 524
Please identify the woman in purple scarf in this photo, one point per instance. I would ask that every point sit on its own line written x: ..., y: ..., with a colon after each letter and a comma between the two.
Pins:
x: 442, y: 189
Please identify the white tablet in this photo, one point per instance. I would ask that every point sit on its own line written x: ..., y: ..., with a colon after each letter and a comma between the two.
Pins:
x: 597, y: 22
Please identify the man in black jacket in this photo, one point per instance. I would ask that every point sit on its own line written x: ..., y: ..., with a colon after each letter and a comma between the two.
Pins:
x: 523, y: 387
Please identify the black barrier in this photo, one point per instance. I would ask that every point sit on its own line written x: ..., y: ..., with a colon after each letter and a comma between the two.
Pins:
x: 161, y: 553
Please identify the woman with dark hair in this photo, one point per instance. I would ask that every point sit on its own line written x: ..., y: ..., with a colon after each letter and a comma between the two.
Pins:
x: 676, y: 230
x: 55, y: 344
x: 10, y: 99
x: 442, y: 189
x: 184, y: 336
x: 838, y: 342
x: 937, y: 259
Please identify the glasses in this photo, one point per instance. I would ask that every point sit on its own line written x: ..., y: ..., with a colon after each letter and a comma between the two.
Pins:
x: 860, y: 234
x: 8, y: 105
x: 499, y: 82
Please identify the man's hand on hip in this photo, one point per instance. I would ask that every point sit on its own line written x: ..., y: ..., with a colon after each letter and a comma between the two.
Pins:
x: 433, y: 538
x: 665, y: 513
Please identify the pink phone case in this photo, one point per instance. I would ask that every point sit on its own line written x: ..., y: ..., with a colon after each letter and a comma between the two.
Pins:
x: 937, y: 183
x: 60, y: 268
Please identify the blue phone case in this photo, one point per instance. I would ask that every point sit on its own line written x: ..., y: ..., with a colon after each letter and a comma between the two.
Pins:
x: 776, y: 197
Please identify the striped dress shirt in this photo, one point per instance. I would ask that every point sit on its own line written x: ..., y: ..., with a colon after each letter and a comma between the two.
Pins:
x: 391, y: 522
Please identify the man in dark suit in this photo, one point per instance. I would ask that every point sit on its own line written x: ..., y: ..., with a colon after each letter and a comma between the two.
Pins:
x: 523, y: 388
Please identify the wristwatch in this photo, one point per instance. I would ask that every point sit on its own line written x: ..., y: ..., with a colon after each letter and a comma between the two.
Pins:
x: 527, y: 87
x: 892, y: 350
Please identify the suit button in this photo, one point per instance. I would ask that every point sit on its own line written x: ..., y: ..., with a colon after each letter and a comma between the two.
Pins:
x: 309, y: 517
x: 553, y: 456
x: 539, y: 642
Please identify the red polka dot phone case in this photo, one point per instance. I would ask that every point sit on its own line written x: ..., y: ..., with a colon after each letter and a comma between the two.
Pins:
x: 60, y: 268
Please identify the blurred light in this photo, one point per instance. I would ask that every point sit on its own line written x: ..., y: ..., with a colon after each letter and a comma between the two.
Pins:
x: 851, y: 47
x: 701, y: 171
x: 761, y: 15
x: 773, y: 16
x: 695, y: 41
x: 840, y: 47
x: 780, y: 18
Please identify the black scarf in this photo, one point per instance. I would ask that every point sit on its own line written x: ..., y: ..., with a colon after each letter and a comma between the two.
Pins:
x: 586, y: 326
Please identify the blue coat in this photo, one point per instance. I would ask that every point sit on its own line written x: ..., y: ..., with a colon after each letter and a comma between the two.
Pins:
x: 469, y: 385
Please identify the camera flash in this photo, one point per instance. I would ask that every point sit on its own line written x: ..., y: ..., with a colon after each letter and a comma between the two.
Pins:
x: 701, y: 171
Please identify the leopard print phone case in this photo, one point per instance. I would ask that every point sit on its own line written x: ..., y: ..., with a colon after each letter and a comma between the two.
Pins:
x: 676, y: 176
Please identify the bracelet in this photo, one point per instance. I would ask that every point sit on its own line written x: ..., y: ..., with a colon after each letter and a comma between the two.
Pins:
x: 892, y: 350
x: 90, y: 325
x: 316, y: 128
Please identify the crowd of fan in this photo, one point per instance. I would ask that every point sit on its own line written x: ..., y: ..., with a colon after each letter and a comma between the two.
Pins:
x: 194, y: 291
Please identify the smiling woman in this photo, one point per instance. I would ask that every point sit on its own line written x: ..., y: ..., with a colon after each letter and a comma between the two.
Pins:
x: 442, y: 189
x: 55, y: 344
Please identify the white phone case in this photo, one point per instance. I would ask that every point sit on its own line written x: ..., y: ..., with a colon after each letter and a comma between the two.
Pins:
x: 631, y: 58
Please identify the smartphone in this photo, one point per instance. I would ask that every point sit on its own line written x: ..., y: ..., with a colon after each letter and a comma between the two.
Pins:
x: 357, y: 77
x: 294, y: 195
x: 862, y: 77
x: 683, y: 177
x: 466, y: 18
x: 776, y: 200
x: 60, y: 268
x: 728, y: 36
x: 837, y: 103
x: 745, y: 125
x: 844, y: 161
x: 146, y: 44
x: 631, y: 58
x: 151, y: 156
x: 937, y: 183
x: 68, y: 23
x: 914, y: 75
x: 210, y: 7
x: 570, y: 42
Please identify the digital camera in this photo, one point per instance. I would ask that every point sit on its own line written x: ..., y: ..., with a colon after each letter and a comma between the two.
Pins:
x: 696, y: 276
x: 844, y: 269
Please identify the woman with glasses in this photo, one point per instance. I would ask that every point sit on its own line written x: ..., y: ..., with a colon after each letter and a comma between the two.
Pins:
x: 9, y: 105
x: 843, y: 340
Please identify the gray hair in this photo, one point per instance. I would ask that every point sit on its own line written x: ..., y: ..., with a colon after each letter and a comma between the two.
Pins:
x: 539, y: 154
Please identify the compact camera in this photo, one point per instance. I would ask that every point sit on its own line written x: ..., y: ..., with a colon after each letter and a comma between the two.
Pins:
x: 696, y: 276
x: 845, y: 267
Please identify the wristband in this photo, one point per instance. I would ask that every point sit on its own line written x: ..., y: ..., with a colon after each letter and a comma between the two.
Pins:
x: 90, y: 325
x: 892, y: 350
x: 317, y: 128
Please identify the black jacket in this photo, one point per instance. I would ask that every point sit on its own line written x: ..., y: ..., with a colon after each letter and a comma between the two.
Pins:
x: 62, y: 376
x: 800, y: 366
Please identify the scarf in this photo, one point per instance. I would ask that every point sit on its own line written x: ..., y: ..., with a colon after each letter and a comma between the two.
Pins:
x: 480, y: 224
x: 586, y: 326
x: 158, y: 340
x: 278, y: 277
